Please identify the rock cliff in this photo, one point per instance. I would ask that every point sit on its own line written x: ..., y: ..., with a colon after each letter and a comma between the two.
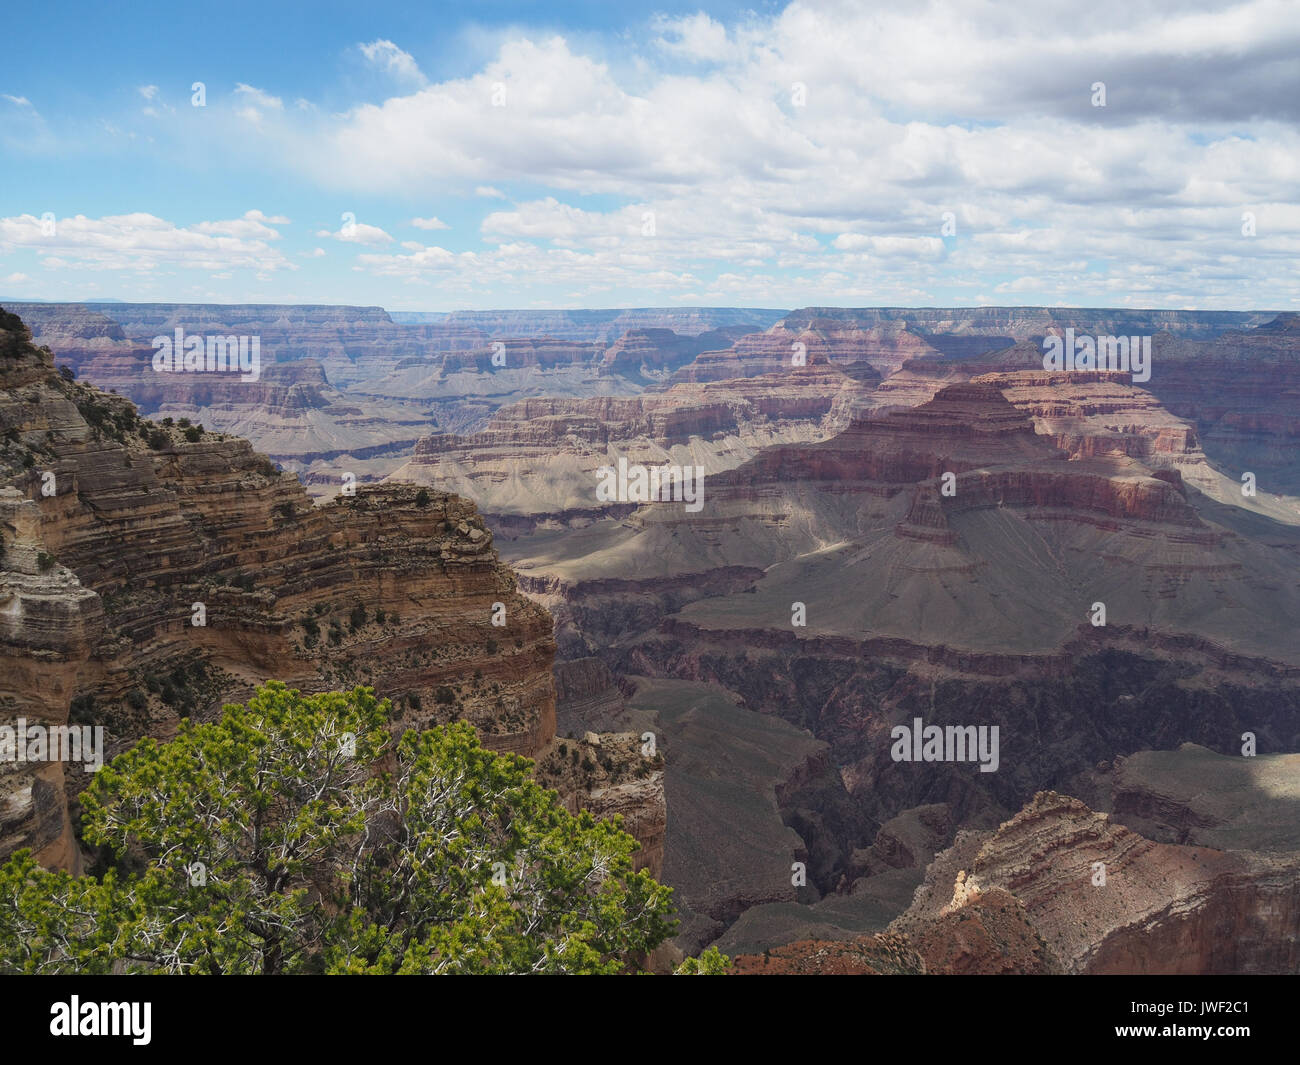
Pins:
x: 153, y: 572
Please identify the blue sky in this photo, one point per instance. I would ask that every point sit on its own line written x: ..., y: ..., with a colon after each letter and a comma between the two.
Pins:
x: 520, y: 155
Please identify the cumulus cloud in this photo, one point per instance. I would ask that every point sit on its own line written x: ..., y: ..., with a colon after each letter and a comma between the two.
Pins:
x: 254, y: 225
x: 143, y: 242
x: 352, y: 232
x: 845, y: 152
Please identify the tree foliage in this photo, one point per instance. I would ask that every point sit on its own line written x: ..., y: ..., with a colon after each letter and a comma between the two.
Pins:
x: 298, y: 835
x: 711, y: 963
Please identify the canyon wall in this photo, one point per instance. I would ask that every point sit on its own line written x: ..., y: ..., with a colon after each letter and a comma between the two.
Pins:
x: 154, y: 572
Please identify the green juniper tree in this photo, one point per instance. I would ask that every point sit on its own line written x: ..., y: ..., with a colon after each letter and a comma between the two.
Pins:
x: 297, y: 835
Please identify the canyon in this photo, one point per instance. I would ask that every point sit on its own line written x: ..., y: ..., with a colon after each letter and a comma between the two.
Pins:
x: 905, y: 516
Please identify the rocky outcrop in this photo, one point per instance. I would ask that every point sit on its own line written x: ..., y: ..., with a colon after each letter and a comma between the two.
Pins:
x: 610, y: 775
x: 1103, y: 899
x: 48, y: 623
x: 598, y: 765
x: 147, y: 575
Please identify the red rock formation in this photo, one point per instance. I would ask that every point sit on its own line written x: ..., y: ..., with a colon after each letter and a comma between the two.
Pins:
x: 389, y: 588
x: 1102, y: 899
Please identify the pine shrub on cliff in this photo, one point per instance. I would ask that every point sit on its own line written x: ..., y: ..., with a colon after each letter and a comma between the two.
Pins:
x: 297, y: 835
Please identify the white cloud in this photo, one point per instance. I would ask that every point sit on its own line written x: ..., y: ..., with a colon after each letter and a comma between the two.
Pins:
x: 386, y: 56
x: 144, y: 243
x: 357, y: 233
x: 149, y: 92
x: 258, y: 98
x: 257, y: 103
x: 19, y: 101
x: 253, y: 224
x: 695, y: 36
x: 957, y: 110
